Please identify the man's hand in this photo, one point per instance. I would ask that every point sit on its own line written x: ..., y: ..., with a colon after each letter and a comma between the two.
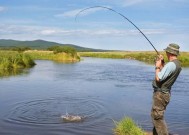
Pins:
x: 159, y: 61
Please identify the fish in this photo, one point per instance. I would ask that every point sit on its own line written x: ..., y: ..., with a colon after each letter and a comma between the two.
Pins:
x: 72, y: 118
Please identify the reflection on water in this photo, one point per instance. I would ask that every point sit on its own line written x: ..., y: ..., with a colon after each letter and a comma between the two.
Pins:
x: 101, y: 90
x: 4, y: 73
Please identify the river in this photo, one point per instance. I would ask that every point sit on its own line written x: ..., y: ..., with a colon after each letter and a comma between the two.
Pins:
x: 101, y: 90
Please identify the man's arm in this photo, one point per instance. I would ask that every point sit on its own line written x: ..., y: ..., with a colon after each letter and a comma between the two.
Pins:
x: 159, y: 65
x: 156, y: 75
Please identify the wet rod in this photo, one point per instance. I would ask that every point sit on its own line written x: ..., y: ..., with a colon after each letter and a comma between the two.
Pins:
x: 120, y: 15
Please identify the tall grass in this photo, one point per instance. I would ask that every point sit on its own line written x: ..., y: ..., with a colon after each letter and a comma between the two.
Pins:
x: 184, y: 59
x: 14, y: 60
x: 145, y: 56
x: 127, y: 127
x: 50, y: 55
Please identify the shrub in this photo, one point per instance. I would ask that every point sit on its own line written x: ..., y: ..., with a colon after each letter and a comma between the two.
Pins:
x: 65, y: 49
x: 53, y: 48
x: 21, y: 49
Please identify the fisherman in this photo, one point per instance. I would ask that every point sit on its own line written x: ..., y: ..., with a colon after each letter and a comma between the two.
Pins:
x: 165, y: 76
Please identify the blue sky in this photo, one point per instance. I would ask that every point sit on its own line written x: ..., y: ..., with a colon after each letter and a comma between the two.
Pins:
x: 162, y: 21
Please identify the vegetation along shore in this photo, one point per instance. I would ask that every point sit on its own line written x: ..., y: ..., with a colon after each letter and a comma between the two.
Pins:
x: 127, y: 127
x: 50, y: 55
x: 15, y: 60
x: 144, y: 56
x: 12, y: 62
x: 23, y: 58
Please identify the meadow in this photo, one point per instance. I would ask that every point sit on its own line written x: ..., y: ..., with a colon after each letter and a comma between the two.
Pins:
x: 144, y: 56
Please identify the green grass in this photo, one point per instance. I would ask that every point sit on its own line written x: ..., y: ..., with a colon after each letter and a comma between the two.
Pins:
x: 184, y: 59
x: 144, y: 56
x: 127, y: 127
x: 14, y: 60
x: 49, y: 55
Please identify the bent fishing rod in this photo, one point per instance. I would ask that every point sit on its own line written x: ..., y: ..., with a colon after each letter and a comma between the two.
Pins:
x: 120, y: 15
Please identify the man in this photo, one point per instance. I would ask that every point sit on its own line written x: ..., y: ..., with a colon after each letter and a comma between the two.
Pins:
x: 165, y: 76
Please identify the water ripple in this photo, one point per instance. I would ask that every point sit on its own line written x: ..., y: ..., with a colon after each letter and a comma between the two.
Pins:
x: 48, y: 111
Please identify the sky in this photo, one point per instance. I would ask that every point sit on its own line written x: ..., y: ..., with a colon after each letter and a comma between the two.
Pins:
x: 162, y: 21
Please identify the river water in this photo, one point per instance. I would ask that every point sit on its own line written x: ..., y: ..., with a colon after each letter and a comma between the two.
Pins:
x: 101, y: 90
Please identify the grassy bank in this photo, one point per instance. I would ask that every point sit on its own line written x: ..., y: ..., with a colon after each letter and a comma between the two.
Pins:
x: 14, y: 60
x: 49, y: 55
x: 127, y: 127
x: 145, y: 56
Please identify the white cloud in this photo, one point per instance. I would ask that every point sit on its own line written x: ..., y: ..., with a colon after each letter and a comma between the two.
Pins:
x: 96, y: 37
x: 48, y: 32
x: 154, y: 31
x: 6, y: 29
x: 31, y: 30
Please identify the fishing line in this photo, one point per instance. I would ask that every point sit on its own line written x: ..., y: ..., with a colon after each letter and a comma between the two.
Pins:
x: 120, y: 15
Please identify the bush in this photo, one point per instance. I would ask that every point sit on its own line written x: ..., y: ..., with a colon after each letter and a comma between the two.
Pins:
x: 65, y: 49
x: 21, y: 49
x: 53, y: 48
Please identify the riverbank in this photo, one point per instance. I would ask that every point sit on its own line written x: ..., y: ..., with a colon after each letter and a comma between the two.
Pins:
x: 11, y: 60
x: 144, y: 56
x: 19, y: 60
x: 49, y: 55
x: 14, y: 62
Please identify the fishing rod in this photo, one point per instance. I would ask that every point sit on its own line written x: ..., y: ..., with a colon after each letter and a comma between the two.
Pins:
x: 120, y: 15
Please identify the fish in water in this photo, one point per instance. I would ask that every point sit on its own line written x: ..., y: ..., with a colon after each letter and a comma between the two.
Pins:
x: 72, y: 118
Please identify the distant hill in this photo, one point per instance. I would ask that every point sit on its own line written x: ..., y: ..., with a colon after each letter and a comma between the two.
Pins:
x: 39, y: 45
